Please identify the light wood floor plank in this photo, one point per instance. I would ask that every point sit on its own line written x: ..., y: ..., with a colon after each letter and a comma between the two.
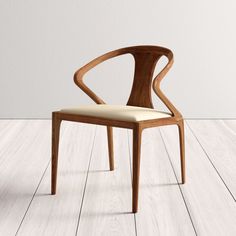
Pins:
x: 58, y: 215
x: 107, y: 202
x: 11, y: 131
x: 210, y: 205
x: 24, y: 157
x: 230, y: 125
x: 3, y: 125
x: 160, y: 199
x: 218, y: 139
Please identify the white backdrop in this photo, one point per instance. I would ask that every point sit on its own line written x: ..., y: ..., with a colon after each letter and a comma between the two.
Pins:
x: 43, y: 42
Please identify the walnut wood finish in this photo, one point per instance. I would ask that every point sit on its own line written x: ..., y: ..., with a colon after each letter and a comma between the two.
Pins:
x: 110, y: 147
x: 146, y: 58
x: 56, y: 123
x: 182, y: 149
x: 137, y: 136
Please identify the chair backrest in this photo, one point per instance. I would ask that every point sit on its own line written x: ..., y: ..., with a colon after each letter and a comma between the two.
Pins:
x: 146, y: 58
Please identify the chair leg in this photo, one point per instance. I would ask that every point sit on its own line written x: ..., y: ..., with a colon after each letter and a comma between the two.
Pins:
x: 182, y: 149
x: 55, y: 146
x: 110, y: 147
x: 137, y: 134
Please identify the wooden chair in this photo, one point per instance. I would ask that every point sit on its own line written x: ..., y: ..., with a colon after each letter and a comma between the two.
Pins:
x: 137, y: 115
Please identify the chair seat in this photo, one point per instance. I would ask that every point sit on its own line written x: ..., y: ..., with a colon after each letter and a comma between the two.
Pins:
x: 118, y: 112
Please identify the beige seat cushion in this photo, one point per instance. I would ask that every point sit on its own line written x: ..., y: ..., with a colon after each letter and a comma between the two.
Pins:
x: 118, y: 112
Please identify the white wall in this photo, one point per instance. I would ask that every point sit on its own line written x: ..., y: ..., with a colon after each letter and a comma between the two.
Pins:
x: 43, y: 42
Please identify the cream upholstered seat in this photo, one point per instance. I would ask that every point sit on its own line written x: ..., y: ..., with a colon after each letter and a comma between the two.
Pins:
x: 118, y: 112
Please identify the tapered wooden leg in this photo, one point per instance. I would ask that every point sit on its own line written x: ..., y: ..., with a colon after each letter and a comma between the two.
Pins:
x: 137, y: 133
x: 110, y: 147
x: 182, y: 149
x: 55, y: 145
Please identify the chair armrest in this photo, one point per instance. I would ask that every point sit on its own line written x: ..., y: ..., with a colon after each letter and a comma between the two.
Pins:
x: 79, y: 74
x: 156, y: 87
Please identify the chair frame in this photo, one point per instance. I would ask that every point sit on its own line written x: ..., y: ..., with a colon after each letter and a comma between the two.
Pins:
x: 145, y: 58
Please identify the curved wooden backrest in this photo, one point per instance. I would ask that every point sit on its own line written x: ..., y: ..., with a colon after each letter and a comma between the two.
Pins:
x: 145, y: 58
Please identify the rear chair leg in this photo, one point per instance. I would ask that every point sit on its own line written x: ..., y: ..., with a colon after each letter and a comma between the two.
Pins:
x: 110, y: 147
x: 56, y: 123
x: 182, y: 149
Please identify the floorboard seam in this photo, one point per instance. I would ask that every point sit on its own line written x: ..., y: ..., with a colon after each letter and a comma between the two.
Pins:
x: 209, y: 159
x: 85, y: 184
x: 33, y: 197
x: 135, y: 223
x: 185, y: 203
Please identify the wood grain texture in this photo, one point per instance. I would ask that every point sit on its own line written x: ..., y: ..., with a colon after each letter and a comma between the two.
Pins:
x: 141, y: 89
x: 107, y: 202
x: 161, y: 206
x: 211, y: 207
x: 218, y: 138
x: 25, y: 155
x: 58, y: 214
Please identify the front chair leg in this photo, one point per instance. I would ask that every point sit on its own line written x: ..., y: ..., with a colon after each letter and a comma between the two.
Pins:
x: 55, y: 146
x: 137, y: 134
x: 110, y: 147
x: 182, y: 149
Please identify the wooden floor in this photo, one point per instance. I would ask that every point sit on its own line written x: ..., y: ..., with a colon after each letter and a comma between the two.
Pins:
x: 91, y: 200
